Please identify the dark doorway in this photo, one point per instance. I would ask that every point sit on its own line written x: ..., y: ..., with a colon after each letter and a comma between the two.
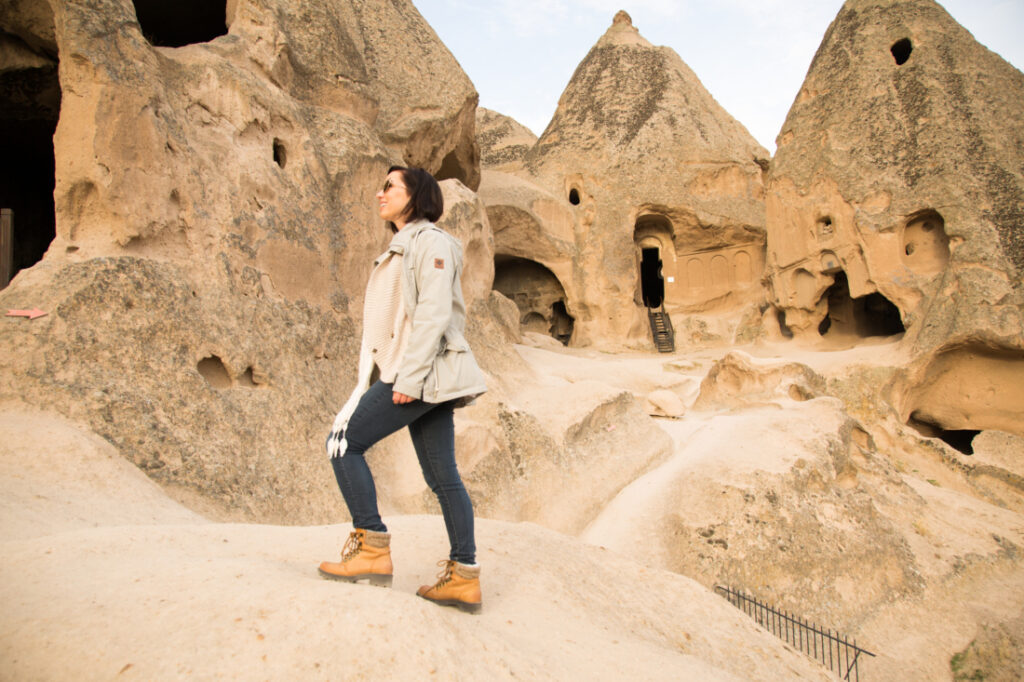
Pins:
x: 184, y: 22
x: 871, y: 315
x: 561, y: 322
x: 537, y: 293
x: 29, y: 108
x: 652, y: 284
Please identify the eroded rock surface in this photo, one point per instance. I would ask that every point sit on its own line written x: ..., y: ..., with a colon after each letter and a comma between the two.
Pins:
x: 663, y: 188
x: 895, y: 199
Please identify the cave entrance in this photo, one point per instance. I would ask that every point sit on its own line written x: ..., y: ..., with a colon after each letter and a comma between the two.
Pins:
x: 537, y: 293
x: 180, y: 23
x: 29, y: 108
x: 862, y: 317
x: 958, y: 439
x: 652, y: 283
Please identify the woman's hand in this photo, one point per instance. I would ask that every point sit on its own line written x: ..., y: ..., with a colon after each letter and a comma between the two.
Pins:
x: 400, y: 398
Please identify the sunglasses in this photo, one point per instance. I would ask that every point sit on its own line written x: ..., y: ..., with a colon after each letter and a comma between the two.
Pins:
x: 388, y: 185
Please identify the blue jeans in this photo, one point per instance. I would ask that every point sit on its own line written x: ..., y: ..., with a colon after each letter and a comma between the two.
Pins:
x: 432, y: 427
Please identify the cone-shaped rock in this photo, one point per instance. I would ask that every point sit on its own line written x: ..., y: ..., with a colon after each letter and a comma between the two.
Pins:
x: 900, y: 175
x: 896, y: 202
x: 650, y: 163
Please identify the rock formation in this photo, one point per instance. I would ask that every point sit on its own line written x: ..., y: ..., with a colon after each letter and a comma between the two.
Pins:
x: 664, y: 188
x: 211, y: 228
x: 503, y: 141
x: 215, y: 225
x: 896, y: 204
x: 896, y: 199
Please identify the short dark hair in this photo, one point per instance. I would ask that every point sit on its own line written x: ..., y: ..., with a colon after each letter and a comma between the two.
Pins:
x: 425, y: 199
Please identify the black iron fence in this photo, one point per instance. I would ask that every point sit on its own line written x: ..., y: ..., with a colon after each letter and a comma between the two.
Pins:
x: 827, y: 647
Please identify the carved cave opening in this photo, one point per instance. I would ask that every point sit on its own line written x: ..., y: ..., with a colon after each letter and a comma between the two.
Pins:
x: 280, y: 153
x: 925, y: 244
x: 537, y: 293
x: 450, y: 169
x: 965, y: 390
x: 901, y: 50
x: 958, y: 439
x: 652, y: 283
x: 185, y: 22
x: 574, y: 197
x: 29, y: 108
x: 865, y: 316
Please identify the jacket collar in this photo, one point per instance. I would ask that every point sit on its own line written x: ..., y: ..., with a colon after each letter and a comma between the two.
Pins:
x: 400, y: 242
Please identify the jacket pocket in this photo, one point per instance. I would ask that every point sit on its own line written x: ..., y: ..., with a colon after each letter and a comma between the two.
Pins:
x: 453, y: 373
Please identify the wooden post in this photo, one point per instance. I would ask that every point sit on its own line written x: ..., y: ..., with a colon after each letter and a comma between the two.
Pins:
x: 6, y: 246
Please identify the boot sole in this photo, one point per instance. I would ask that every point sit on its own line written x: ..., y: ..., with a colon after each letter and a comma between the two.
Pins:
x: 468, y: 607
x: 376, y: 579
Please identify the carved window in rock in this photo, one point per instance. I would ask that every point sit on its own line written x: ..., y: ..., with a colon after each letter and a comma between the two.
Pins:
x: 901, y: 50
x: 925, y: 244
x: 180, y: 23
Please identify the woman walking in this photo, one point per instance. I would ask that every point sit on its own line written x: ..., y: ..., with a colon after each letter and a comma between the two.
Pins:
x: 415, y: 368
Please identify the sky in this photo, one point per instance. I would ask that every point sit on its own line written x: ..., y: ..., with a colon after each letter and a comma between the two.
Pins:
x: 751, y: 55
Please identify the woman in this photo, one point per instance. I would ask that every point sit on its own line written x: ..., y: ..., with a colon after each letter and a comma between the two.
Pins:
x: 415, y: 368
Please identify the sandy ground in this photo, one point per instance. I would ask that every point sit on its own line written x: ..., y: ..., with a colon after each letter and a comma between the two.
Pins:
x: 104, y: 577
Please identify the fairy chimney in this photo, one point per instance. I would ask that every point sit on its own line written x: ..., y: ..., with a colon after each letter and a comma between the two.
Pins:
x: 895, y: 205
x: 664, y: 185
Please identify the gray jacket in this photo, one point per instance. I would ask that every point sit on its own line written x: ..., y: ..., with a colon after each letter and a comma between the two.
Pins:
x: 437, y: 365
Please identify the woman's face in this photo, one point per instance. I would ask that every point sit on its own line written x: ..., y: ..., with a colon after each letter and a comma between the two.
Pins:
x: 393, y: 199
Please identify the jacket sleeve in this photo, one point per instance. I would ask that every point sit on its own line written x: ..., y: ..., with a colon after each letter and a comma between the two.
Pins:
x: 434, y: 271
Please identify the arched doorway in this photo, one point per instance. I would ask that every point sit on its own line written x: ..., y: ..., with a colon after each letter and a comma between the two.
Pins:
x: 29, y: 107
x: 653, y: 237
x: 652, y: 282
x: 537, y: 293
x: 862, y: 317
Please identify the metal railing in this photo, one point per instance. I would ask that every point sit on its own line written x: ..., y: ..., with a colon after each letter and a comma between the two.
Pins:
x: 827, y: 647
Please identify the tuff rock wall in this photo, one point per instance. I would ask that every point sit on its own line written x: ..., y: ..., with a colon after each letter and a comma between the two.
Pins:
x: 215, y: 224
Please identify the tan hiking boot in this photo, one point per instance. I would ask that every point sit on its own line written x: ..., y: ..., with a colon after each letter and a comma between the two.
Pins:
x: 366, y: 555
x: 457, y: 585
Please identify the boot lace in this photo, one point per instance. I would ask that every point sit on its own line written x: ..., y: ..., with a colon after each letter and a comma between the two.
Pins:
x: 445, y: 576
x: 351, y: 548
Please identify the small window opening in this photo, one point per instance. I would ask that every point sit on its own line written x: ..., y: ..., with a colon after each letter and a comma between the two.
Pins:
x: 180, y: 23
x: 871, y: 315
x: 961, y: 440
x: 901, y: 50
x: 212, y: 369
x: 780, y: 315
x: 451, y: 169
x: 280, y: 155
x: 825, y: 228
x: 925, y: 243
x: 574, y: 197
x: 652, y: 284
